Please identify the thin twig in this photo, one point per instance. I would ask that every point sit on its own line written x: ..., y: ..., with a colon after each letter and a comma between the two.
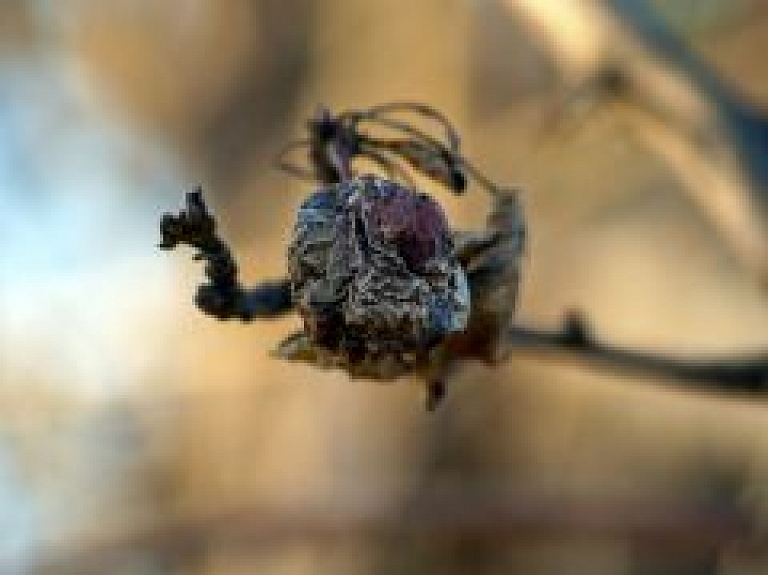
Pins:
x: 574, y: 343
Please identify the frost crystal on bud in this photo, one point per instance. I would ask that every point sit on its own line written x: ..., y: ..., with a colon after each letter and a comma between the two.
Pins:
x: 375, y: 276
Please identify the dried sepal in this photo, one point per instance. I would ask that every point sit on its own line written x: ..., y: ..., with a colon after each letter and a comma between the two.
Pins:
x: 492, y: 259
x: 296, y: 347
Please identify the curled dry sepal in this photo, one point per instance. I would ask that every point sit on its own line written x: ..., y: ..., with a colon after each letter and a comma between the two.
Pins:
x: 384, y: 286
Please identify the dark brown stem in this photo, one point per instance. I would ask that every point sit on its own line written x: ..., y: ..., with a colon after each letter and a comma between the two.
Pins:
x: 222, y: 296
x: 575, y: 344
x: 331, y: 147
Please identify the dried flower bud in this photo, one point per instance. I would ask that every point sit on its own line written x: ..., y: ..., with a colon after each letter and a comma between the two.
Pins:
x: 374, y: 275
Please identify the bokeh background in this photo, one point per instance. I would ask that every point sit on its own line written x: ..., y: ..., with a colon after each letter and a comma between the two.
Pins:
x: 138, y: 436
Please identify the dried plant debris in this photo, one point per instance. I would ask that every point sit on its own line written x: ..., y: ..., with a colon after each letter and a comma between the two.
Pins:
x: 384, y: 286
x: 375, y: 277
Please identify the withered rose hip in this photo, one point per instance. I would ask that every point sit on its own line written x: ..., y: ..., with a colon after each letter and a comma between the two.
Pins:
x: 374, y: 274
x: 379, y: 279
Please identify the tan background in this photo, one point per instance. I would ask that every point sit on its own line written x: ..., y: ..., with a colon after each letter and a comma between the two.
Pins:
x: 122, y: 407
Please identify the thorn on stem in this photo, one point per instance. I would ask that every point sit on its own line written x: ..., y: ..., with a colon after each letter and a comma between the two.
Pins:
x: 576, y: 331
x: 435, y: 393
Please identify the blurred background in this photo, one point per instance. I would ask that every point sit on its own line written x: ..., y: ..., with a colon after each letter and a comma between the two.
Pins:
x: 139, y: 437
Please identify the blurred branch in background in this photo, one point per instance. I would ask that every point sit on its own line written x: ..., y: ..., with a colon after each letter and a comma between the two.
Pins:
x: 620, y: 53
x: 442, y: 516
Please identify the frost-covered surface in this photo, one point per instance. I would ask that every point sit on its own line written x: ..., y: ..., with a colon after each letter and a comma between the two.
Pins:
x: 375, y: 276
